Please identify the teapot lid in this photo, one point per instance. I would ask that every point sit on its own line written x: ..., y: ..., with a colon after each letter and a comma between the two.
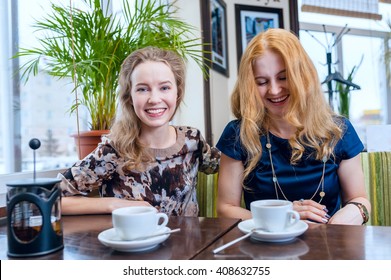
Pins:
x: 38, y: 182
x: 47, y: 183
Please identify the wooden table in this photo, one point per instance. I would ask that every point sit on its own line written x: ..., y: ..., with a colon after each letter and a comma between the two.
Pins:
x: 81, y: 239
x: 319, y: 242
x: 199, y: 236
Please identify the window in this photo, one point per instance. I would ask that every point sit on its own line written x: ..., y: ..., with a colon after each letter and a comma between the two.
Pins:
x: 38, y: 108
x: 365, y: 40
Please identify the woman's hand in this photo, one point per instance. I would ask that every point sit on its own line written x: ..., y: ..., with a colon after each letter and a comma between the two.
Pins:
x: 311, y: 210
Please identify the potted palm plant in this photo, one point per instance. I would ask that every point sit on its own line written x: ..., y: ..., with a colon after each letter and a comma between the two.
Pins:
x: 344, y: 95
x: 344, y: 90
x: 88, y: 45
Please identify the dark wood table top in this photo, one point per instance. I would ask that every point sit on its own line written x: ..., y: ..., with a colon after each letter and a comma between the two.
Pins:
x: 199, y: 236
x: 319, y: 242
x: 81, y: 239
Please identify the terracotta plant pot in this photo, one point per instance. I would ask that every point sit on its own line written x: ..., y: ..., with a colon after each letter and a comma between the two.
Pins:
x: 87, y: 141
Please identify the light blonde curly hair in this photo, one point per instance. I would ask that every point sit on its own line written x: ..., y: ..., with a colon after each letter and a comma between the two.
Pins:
x: 317, y: 127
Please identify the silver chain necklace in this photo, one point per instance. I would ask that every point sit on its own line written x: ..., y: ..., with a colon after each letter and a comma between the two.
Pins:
x: 275, y: 180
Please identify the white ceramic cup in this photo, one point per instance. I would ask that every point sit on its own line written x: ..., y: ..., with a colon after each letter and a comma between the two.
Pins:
x: 137, y: 221
x: 274, y: 215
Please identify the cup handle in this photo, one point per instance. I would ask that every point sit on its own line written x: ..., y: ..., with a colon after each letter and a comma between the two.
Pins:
x: 162, y: 217
x: 293, y: 218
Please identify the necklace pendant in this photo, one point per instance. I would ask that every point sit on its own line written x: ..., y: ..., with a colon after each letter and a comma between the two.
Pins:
x: 322, y: 194
x: 274, y: 179
x: 268, y: 145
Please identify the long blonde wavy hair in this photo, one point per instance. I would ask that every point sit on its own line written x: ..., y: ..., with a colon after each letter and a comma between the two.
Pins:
x: 317, y: 127
x: 126, y: 129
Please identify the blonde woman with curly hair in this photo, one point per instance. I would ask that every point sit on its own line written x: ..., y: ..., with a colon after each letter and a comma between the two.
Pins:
x: 144, y: 160
x: 286, y: 143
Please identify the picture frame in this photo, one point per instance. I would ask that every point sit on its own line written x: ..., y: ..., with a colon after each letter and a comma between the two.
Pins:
x: 218, y: 39
x: 251, y: 20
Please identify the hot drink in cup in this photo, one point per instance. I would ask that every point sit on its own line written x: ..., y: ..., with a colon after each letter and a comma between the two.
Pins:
x: 273, y: 215
x: 138, y: 221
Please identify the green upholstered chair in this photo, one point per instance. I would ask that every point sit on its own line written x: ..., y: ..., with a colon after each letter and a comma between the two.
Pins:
x: 207, y: 194
x: 377, y: 171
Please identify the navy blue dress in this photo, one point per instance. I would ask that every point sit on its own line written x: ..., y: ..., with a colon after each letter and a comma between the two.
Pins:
x: 298, y: 181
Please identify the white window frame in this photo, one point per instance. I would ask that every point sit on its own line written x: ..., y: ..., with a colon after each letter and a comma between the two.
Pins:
x: 354, y: 31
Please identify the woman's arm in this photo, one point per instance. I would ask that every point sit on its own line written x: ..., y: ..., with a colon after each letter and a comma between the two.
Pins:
x: 86, y: 175
x: 79, y: 205
x: 230, y: 189
x: 84, y: 178
x: 352, y: 182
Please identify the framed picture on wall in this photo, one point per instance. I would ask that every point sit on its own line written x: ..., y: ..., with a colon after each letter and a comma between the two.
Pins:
x: 251, y: 20
x: 218, y: 23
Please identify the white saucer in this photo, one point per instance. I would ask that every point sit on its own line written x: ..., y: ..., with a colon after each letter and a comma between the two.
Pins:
x: 283, y: 236
x: 109, y: 238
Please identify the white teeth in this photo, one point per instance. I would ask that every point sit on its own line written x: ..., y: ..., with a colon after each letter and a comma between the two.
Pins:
x: 275, y: 100
x: 155, y: 111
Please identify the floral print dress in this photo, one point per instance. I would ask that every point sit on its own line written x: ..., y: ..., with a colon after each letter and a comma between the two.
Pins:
x: 168, y: 184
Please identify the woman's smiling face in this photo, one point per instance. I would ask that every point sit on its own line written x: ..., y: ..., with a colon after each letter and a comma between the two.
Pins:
x: 270, y: 77
x: 154, y: 93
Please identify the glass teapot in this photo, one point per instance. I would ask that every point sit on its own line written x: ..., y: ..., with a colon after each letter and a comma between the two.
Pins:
x: 34, y: 216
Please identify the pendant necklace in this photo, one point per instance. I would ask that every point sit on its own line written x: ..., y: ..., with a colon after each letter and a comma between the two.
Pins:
x: 275, y: 180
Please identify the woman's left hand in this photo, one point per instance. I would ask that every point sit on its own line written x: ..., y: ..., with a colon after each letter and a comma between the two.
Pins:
x: 311, y: 210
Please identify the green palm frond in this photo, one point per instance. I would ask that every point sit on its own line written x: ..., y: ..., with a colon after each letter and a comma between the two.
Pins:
x: 344, y: 90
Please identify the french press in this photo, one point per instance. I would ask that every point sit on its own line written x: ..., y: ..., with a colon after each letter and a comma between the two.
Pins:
x: 34, y: 215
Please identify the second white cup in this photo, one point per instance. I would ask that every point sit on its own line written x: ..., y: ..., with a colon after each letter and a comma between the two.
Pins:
x: 138, y: 221
x: 273, y: 215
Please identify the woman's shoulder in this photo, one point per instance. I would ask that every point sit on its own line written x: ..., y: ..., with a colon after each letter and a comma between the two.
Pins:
x: 345, y: 124
x: 106, y: 145
x: 185, y: 128
x: 350, y: 144
x: 188, y: 132
x: 232, y: 129
x: 105, y: 140
x: 234, y: 123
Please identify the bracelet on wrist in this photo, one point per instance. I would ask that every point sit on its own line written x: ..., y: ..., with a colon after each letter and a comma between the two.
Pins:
x: 363, y: 211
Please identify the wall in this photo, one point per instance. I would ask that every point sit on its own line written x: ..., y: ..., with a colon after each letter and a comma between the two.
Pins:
x: 192, y: 110
x: 221, y: 86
